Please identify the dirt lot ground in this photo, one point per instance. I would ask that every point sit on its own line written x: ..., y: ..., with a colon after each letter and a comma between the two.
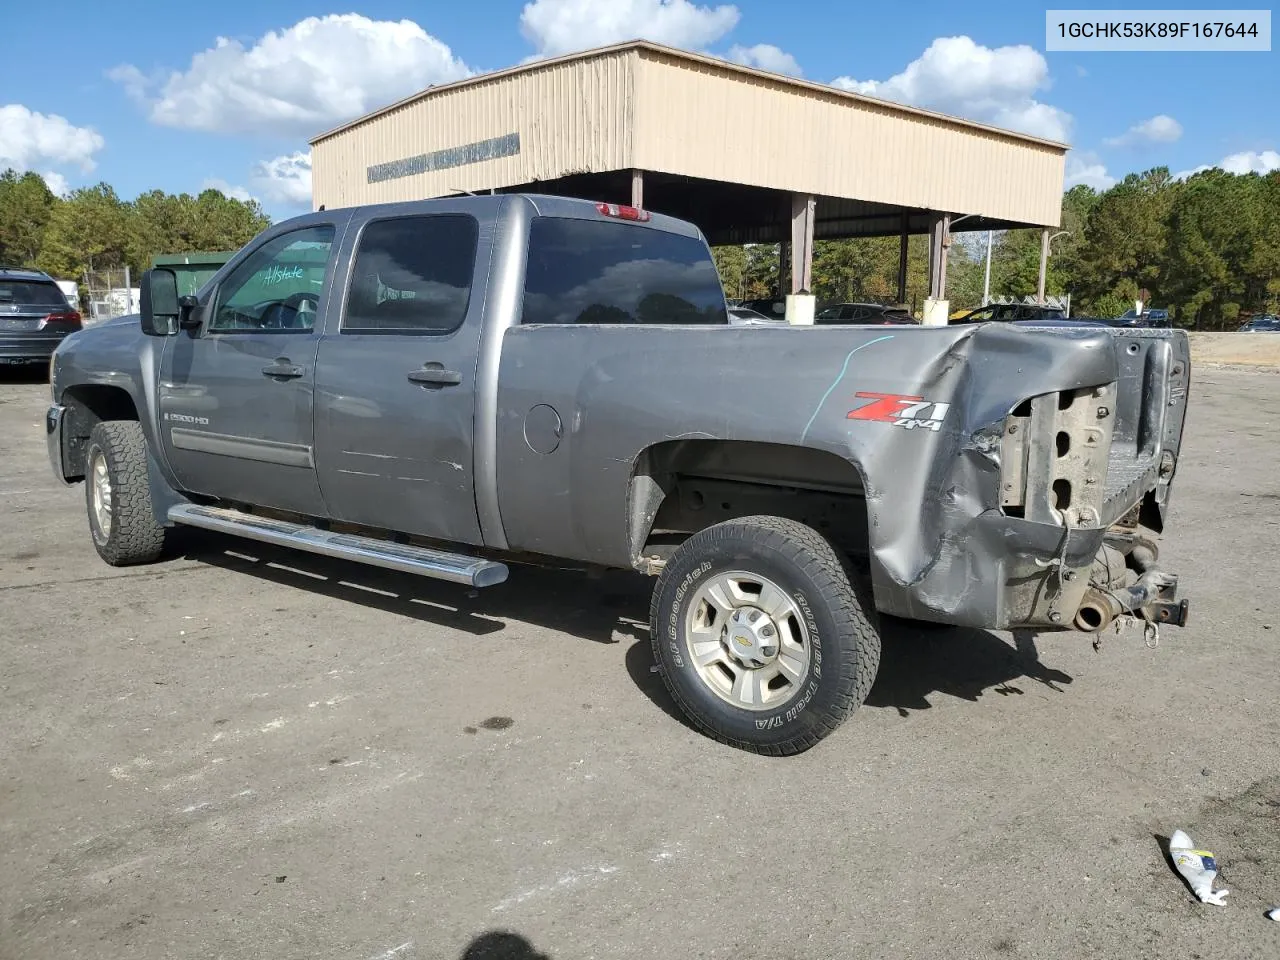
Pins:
x: 1256, y: 350
x: 243, y: 753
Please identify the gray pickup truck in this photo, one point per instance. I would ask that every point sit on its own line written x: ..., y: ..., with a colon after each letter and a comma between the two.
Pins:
x: 437, y: 387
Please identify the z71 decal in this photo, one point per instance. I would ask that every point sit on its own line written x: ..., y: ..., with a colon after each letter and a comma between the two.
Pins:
x: 901, y: 411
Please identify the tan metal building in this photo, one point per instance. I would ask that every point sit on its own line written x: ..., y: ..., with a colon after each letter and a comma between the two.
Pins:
x: 747, y: 155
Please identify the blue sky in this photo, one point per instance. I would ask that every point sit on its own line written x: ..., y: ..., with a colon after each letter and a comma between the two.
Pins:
x: 152, y: 98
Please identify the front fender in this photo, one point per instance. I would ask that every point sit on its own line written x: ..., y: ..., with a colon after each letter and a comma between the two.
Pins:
x: 117, y: 355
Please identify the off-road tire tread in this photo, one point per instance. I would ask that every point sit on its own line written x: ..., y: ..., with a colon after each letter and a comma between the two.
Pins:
x: 135, y: 536
x: 847, y: 599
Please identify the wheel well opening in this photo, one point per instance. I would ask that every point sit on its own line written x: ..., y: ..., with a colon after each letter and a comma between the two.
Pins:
x: 683, y: 486
x: 87, y: 406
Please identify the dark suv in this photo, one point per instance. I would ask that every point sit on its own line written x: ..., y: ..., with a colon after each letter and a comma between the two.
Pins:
x: 1010, y: 313
x: 863, y: 313
x: 34, y: 316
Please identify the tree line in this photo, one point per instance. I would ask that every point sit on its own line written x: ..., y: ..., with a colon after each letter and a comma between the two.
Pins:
x: 93, y: 229
x: 1206, y: 247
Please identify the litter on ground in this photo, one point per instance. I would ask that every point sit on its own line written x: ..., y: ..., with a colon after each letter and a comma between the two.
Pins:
x: 1197, y: 867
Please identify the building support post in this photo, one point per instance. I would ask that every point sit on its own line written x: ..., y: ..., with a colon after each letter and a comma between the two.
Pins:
x: 637, y: 189
x: 1044, y: 263
x: 800, y: 301
x: 803, y: 206
x: 938, y: 243
x: 935, y: 305
x: 986, y: 276
x: 903, y: 237
x: 784, y: 264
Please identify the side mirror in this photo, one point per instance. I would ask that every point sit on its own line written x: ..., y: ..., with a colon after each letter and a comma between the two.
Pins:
x: 160, y: 309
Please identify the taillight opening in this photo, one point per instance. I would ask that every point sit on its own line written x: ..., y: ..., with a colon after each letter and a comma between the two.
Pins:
x: 61, y: 318
x: 623, y: 212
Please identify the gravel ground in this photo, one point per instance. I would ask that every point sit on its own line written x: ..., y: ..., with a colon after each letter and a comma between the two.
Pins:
x: 245, y: 753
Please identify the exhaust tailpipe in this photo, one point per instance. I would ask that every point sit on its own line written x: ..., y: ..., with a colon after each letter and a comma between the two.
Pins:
x: 1098, y: 610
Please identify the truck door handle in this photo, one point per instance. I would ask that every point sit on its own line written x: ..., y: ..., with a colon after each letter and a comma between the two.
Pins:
x: 435, y: 377
x: 282, y: 369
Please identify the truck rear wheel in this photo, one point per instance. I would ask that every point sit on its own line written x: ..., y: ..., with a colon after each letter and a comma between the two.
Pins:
x: 117, y: 495
x: 761, y: 636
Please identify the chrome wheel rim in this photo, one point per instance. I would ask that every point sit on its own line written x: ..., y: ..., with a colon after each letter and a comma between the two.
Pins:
x: 100, y: 494
x: 747, y: 640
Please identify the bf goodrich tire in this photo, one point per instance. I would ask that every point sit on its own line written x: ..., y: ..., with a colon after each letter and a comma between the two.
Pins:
x: 760, y: 635
x: 117, y: 497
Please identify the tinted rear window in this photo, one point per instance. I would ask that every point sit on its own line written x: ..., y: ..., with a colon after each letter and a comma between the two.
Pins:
x: 38, y: 293
x: 412, y: 275
x: 595, y: 271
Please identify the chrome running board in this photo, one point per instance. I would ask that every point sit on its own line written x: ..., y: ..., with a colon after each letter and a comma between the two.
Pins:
x: 423, y: 561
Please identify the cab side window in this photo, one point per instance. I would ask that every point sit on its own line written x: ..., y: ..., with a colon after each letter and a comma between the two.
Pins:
x: 276, y: 289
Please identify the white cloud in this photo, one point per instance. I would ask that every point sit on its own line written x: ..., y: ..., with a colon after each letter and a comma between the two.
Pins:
x: 564, y: 26
x: 28, y: 139
x: 1159, y: 129
x: 227, y: 189
x: 134, y: 81
x: 1087, y: 169
x: 963, y: 78
x: 765, y: 56
x: 285, y: 180
x: 1081, y: 71
x: 56, y: 183
x: 319, y: 72
x: 1249, y: 161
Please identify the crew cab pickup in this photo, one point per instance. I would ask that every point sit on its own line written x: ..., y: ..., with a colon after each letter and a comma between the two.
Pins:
x: 442, y: 386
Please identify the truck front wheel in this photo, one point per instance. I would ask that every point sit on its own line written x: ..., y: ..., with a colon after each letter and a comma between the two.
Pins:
x: 761, y: 636
x: 118, y: 497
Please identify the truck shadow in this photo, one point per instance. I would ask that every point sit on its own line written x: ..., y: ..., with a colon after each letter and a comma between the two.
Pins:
x: 24, y: 373
x: 917, y: 660
x: 603, y: 609
x: 962, y: 662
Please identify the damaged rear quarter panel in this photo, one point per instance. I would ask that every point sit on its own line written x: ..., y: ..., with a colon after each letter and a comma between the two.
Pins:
x: 940, y: 548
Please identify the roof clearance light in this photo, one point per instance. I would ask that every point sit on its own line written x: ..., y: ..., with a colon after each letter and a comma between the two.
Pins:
x: 623, y: 213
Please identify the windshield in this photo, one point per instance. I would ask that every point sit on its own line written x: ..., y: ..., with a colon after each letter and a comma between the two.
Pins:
x: 39, y: 293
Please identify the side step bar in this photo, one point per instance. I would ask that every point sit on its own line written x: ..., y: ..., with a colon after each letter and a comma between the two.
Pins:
x: 423, y: 561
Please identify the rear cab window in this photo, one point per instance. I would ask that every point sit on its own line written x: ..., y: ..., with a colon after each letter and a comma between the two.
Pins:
x: 597, y: 271
x: 412, y: 275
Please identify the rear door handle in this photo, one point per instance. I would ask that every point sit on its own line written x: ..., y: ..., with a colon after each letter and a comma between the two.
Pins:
x: 282, y: 369
x: 435, y: 377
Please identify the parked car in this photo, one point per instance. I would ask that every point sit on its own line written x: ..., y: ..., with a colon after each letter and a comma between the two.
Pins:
x: 1147, y: 318
x: 1266, y: 324
x: 769, y: 307
x: 742, y: 317
x: 34, y: 316
x: 863, y: 313
x: 445, y: 386
x: 1009, y: 313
